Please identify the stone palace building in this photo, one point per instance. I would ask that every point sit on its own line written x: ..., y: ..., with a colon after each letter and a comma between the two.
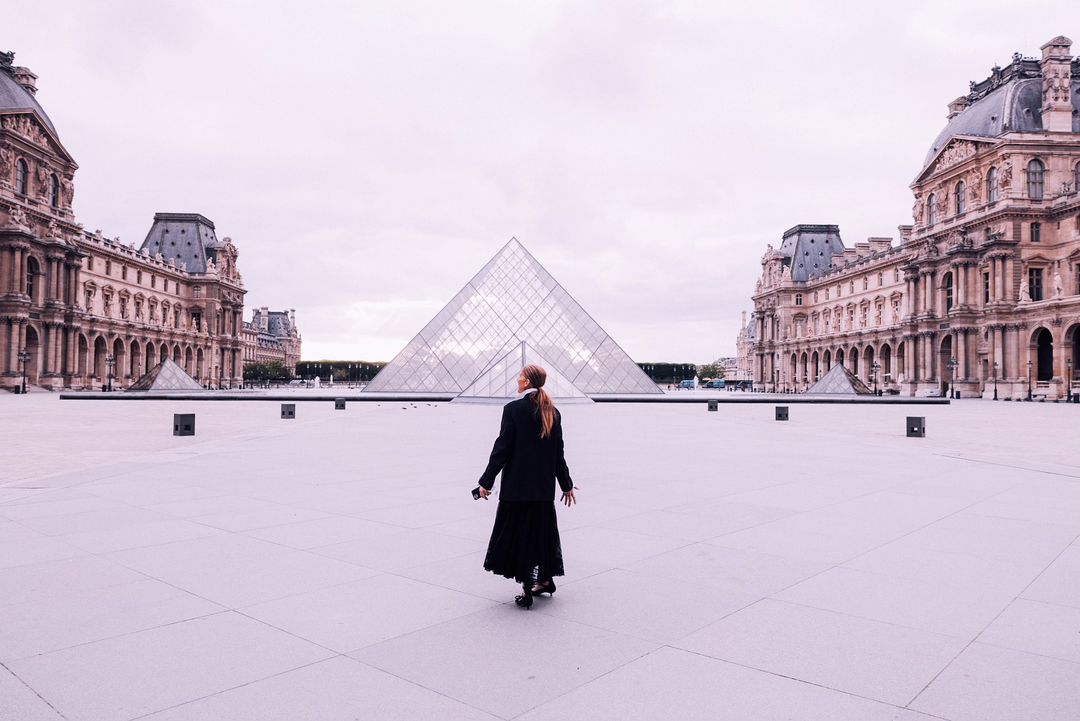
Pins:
x: 78, y: 310
x: 981, y: 294
x: 272, y: 337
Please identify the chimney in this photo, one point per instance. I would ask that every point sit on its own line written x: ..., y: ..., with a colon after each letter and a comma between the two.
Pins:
x: 905, y: 233
x: 1057, y: 85
x: 957, y: 106
x: 27, y: 79
x: 743, y: 320
x: 264, y: 319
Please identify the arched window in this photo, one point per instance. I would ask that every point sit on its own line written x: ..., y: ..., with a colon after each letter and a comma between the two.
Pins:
x: 948, y: 292
x: 1076, y: 178
x: 22, y: 175
x: 959, y: 199
x: 54, y: 191
x: 991, y: 186
x: 931, y: 212
x: 1035, y: 174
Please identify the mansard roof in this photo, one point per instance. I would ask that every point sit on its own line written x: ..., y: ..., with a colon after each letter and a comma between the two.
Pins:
x: 14, y: 98
x: 1008, y: 101
x: 188, y: 237
x: 810, y: 249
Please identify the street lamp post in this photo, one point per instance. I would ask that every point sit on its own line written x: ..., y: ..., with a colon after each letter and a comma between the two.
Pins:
x: 995, y: 379
x: 1029, y: 380
x: 952, y: 376
x: 1068, y: 380
x: 24, y: 358
x: 874, y: 369
x: 110, y: 361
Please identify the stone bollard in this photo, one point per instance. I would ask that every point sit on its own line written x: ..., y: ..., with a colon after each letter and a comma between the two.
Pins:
x: 339, y: 404
x: 288, y: 410
x: 781, y: 413
x: 183, y: 424
x: 916, y: 426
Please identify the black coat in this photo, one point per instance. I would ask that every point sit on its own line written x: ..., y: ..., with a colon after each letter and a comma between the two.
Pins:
x: 530, y: 464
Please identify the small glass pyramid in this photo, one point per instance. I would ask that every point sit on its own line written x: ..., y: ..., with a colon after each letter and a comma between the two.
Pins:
x: 839, y: 381
x: 166, y: 376
x: 511, y: 307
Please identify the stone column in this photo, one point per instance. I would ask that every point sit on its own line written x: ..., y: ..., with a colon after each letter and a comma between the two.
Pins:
x: 958, y: 275
x: 5, y: 270
x: 1010, y: 290
x: 961, y: 355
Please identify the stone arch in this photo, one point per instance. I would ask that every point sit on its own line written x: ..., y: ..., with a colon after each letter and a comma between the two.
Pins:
x: 32, y: 345
x: 119, y: 353
x: 805, y: 362
x: 815, y: 366
x: 200, y: 361
x: 150, y: 358
x: 1072, y: 347
x: 1042, y: 354
x: 134, y: 361
x: 945, y: 352
x: 839, y: 356
x: 101, y: 350
x: 189, y: 361
x: 82, y: 357
x: 868, y: 358
x: 853, y: 361
x: 885, y: 359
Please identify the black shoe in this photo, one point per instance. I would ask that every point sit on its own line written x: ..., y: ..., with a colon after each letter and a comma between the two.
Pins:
x: 526, y: 597
x: 547, y: 587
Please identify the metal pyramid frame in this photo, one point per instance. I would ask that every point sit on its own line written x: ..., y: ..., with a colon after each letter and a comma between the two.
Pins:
x: 512, y: 301
x: 839, y: 381
x: 500, y: 380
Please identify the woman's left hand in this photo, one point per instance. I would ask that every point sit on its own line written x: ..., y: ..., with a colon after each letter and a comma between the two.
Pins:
x: 569, y: 498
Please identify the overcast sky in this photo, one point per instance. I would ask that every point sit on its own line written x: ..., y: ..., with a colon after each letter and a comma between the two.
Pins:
x: 368, y: 158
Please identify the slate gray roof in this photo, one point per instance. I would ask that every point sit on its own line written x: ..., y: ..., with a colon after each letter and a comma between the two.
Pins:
x: 14, y: 98
x: 1011, y: 101
x: 810, y: 249
x: 279, y: 323
x: 188, y: 237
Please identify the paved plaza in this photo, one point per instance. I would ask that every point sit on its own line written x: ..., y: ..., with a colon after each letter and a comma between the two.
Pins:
x: 720, y: 565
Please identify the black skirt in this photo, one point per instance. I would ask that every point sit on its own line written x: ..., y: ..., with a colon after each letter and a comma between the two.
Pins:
x: 525, y: 537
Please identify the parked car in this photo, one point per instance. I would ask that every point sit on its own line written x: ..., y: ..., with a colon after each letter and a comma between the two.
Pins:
x: 686, y: 385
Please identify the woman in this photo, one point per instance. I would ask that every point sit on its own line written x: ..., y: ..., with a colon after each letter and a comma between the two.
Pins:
x: 529, y: 451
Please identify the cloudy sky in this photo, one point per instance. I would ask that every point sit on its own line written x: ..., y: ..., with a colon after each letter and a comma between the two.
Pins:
x: 368, y: 158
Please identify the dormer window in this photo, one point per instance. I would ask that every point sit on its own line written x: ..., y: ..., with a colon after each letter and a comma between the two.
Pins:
x: 1036, y: 172
x: 991, y: 185
x: 931, y: 209
x: 54, y: 191
x: 22, y: 175
x: 959, y: 198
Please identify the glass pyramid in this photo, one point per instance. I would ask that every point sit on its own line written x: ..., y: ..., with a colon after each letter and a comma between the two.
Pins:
x: 512, y: 301
x: 166, y: 376
x: 839, y: 381
x: 500, y: 380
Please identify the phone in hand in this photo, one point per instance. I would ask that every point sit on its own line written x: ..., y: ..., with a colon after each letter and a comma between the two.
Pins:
x: 476, y: 493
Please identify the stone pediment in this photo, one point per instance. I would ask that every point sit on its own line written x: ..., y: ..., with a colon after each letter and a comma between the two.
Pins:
x: 29, y: 128
x: 958, y: 150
